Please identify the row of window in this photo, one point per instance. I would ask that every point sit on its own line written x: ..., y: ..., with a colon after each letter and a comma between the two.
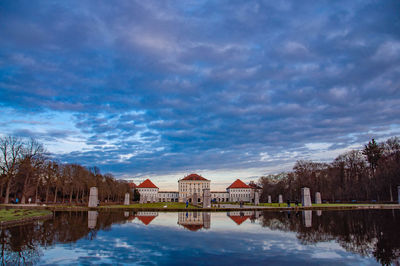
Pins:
x: 240, y: 195
x: 148, y: 189
x: 190, y: 190
x: 202, y: 185
x: 167, y: 195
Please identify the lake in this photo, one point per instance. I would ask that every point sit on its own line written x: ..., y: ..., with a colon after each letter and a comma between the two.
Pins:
x: 362, y: 237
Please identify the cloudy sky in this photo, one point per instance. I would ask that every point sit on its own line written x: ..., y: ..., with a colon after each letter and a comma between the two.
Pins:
x: 227, y: 89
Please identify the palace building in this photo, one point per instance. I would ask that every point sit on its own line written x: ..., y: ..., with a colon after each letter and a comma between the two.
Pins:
x: 191, y: 189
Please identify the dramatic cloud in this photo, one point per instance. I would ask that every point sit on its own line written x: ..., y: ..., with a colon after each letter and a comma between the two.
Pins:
x: 156, y: 87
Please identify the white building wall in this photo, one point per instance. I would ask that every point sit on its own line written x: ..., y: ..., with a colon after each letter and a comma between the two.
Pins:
x: 187, y: 188
x: 239, y: 194
x: 165, y: 196
x: 150, y: 194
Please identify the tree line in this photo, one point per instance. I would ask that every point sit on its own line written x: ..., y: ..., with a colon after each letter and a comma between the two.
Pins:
x: 27, y: 172
x: 368, y: 174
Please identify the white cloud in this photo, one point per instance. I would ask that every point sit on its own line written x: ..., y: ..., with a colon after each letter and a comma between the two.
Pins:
x: 387, y: 51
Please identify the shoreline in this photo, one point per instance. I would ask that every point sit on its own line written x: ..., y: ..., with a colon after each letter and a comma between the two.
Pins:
x: 24, y: 216
x: 199, y: 209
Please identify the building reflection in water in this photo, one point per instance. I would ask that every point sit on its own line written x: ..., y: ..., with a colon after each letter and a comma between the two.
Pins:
x: 194, y: 221
x: 365, y: 232
x: 146, y: 217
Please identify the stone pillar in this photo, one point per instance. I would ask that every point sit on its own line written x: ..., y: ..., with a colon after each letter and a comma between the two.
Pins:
x: 194, y: 198
x: 206, y: 198
x: 126, y: 201
x: 256, y: 198
x: 92, y: 219
x: 280, y: 199
x: 398, y: 194
x: 206, y: 220
x: 318, y: 198
x: 269, y: 199
x: 93, y: 197
x: 305, y: 197
x: 141, y: 199
x: 307, y: 218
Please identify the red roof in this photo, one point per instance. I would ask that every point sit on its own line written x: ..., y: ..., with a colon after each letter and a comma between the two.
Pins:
x: 147, y: 184
x: 194, y: 177
x: 146, y: 219
x: 193, y: 227
x: 238, y: 184
x: 239, y: 219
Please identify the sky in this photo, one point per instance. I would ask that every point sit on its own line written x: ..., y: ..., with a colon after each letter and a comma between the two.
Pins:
x: 227, y: 89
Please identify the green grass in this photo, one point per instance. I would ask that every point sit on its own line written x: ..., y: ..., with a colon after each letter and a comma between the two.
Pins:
x: 19, y: 214
x: 156, y: 205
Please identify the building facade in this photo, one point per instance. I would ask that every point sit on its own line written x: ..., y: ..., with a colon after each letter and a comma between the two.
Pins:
x: 148, y: 191
x: 168, y: 196
x: 191, y: 188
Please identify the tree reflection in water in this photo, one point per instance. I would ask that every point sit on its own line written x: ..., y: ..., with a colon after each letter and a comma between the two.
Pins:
x: 365, y: 232
x: 24, y: 244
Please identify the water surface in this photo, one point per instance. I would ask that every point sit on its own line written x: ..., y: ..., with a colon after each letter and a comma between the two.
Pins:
x: 365, y: 237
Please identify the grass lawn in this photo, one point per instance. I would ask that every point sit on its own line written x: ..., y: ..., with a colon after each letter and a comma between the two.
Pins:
x: 156, y: 205
x: 18, y: 214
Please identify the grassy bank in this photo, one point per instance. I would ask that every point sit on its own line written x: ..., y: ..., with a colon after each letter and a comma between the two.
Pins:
x: 155, y: 205
x: 12, y: 215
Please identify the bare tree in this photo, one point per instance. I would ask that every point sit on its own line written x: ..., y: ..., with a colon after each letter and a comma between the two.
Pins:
x: 11, y: 149
x: 31, y: 160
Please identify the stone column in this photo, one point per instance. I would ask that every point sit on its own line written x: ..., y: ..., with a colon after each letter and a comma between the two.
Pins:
x: 92, y: 219
x: 126, y: 201
x: 318, y: 198
x: 307, y: 218
x: 305, y: 197
x: 194, y: 198
x: 256, y: 198
x: 280, y: 199
x: 398, y: 194
x: 93, y: 197
x: 269, y: 199
x: 206, y: 220
x: 206, y: 198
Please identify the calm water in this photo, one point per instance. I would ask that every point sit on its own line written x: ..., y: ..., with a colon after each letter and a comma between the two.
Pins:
x: 235, y: 238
